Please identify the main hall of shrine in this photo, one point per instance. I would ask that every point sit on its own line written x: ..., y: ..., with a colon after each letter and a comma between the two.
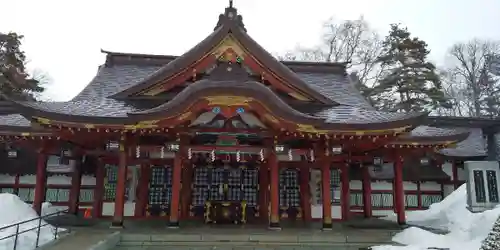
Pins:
x: 224, y: 133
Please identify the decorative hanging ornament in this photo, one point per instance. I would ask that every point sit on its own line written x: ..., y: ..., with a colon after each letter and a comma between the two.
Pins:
x: 162, y: 152
x: 311, y: 153
x: 190, y: 153
x: 238, y: 156
x: 138, y: 152
x: 290, y: 156
x: 261, y: 155
x: 212, y: 155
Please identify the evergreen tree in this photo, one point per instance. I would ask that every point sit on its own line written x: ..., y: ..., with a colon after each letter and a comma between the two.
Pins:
x: 489, y: 99
x: 492, y: 241
x: 410, y: 83
x: 14, y: 81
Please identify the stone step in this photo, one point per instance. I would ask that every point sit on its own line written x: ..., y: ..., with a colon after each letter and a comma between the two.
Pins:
x: 281, y: 247
x: 79, y: 240
x: 320, y: 238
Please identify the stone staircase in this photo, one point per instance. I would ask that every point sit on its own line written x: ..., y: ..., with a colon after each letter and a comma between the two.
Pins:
x: 254, y: 241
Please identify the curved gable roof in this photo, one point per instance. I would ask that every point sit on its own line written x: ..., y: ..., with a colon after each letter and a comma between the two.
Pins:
x: 229, y: 24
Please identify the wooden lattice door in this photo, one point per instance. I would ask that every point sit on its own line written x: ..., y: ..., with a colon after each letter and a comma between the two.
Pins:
x: 290, y: 194
x: 160, y: 191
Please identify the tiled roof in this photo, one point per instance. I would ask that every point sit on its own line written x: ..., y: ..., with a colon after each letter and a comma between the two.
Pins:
x: 93, y: 101
x: 336, y: 87
x: 14, y: 120
x: 473, y: 146
x: 356, y: 115
x: 113, y: 79
x: 95, y: 107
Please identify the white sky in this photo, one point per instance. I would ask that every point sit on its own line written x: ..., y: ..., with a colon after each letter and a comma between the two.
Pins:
x: 64, y: 38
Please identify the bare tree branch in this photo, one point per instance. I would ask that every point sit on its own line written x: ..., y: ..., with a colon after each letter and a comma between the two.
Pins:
x: 467, y: 73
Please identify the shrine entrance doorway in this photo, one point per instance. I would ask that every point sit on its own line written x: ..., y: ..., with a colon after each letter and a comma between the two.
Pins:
x: 225, y: 192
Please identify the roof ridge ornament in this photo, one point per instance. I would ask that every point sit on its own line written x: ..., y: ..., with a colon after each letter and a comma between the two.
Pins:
x: 230, y: 17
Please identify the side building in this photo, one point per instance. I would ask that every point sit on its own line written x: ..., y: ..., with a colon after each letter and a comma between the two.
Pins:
x: 227, y: 133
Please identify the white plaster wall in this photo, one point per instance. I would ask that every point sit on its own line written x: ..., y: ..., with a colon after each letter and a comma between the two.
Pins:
x: 382, y: 213
x: 7, y: 179
x: 462, y: 175
x: 356, y: 185
x: 317, y: 212
x: 430, y: 186
x: 448, y: 168
x: 381, y: 185
x: 87, y: 180
x: 108, y: 209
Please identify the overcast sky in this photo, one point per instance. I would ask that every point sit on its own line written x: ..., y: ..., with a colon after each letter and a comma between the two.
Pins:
x: 64, y: 38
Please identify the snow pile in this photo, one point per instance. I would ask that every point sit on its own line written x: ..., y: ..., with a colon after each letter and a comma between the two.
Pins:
x: 466, y: 230
x: 14, y: 210
x: 49, y: 209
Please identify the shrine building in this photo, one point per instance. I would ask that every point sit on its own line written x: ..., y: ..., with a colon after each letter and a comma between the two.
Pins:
x: 226, y: 133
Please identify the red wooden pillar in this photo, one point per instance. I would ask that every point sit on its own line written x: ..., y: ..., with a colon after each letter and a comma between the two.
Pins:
x: 41, y: 180
x: 305, y: 193
x: 187, y: 192
x: 274, y: 190
x: 176, y: 188
x: 264, y: 192
x: 76, y: 183
x: 120, y: 187
x: 399, y: 191
x: 326, y: 195
x: 142, y: 190
x: 98, y: 190
x: 367, y: 192
x: 345, y: 195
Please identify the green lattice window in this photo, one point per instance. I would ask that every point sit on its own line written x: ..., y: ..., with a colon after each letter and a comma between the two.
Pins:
x: 110, y: 182
x: 411, y: 200
x: 7, y: 190
x: 382, y: 200
x: 334, y: 188
x: 356, y: 199
x: 27, y: 194
x: 429, y: 199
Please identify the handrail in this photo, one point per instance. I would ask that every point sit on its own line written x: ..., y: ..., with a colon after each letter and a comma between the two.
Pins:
x: 37, y: 228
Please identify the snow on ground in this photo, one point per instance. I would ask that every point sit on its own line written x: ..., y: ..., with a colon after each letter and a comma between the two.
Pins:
x: 466, y: 229
x: 14, y: 210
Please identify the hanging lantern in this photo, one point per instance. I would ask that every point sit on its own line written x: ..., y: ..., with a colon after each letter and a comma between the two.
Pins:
x: 279, y: 148
x: 11, y: 152
x: 112, y: 145
x: 311, y: 154
x: 173, y: 147
x: 261, y: 155
x: 336, y: 150
x: 190, y: 153
x: 290, y: 155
